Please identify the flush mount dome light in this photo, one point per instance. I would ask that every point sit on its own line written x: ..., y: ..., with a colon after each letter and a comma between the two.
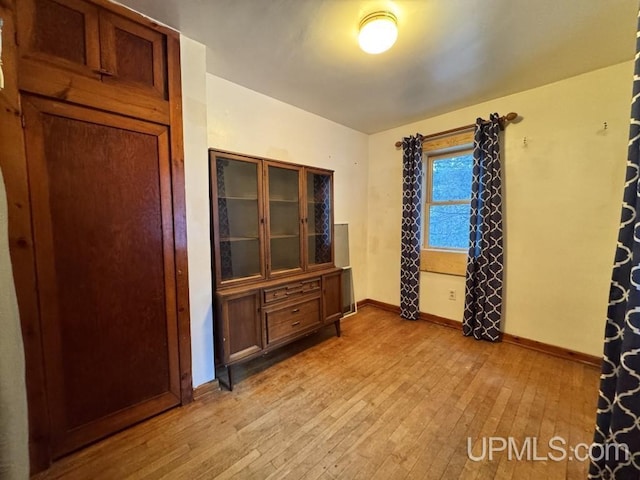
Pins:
x: 378, y: 32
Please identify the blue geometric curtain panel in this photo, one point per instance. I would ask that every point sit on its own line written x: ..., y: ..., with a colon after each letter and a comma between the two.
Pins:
x: 483, y: 288
x: 618, y: 418
x: 411, y: 214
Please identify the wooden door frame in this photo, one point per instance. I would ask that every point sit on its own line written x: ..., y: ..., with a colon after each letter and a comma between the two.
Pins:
x: 13, y: 163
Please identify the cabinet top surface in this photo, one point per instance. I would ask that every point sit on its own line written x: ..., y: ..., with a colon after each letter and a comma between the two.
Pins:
x: 214, y: 152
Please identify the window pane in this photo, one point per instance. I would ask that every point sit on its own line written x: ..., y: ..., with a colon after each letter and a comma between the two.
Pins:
x: 451, y: 178
x: 449, y: 226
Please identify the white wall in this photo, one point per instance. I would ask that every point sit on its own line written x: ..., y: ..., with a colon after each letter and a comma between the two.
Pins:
x: 194, y: 116
x: 244, y: 121
x: 220, y: 114
x: 562, y: 205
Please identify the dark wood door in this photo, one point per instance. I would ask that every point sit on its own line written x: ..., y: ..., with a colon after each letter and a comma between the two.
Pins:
x: 103, y: 236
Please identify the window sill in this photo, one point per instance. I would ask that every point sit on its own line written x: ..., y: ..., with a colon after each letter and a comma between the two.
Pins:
x: 449, y: 262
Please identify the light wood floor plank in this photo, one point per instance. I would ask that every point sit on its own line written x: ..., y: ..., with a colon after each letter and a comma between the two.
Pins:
x: 390, y: 399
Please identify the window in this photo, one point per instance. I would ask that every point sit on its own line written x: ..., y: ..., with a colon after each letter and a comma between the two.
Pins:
x: 448, y: 167
x: 448, y: 200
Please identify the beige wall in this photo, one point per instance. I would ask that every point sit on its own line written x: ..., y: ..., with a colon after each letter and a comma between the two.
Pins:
x: 241, y: 120
x: 562, y: 196
x: 562, y: 204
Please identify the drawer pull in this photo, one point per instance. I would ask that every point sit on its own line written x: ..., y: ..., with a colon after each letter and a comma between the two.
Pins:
x: 295, y: 324
x: 105, y: 72
x: 295, y: 310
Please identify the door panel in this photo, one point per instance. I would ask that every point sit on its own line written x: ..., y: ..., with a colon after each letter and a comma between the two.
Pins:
x: 319, y: 219
x: 61, y: 32
x: 284, y: 219
x: 236, y: 189
x: 101, y: 206
x: 241, y: 314
x: 133, y: 54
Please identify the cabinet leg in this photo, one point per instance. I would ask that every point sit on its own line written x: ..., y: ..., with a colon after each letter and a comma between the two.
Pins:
x: 337, y: 324
x: 229, y: 384
x: 230, y: 378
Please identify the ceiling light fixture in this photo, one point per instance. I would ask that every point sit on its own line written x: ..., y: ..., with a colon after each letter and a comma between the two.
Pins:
x: 378, y: 32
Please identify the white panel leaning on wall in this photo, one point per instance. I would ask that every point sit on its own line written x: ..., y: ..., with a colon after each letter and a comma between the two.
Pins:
x: 341, y: 230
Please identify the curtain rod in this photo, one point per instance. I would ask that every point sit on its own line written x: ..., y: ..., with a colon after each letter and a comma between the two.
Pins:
x: 502, y: 121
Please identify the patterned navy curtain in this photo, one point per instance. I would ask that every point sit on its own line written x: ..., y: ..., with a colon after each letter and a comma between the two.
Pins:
x: 618, y: 419
x: 411, y: 214
x: 483, y: 289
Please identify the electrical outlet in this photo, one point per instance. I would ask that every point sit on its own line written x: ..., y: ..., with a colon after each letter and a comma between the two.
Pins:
x: 452, y: 294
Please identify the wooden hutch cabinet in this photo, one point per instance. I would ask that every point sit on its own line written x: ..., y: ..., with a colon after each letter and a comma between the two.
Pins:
x: 272, y: 244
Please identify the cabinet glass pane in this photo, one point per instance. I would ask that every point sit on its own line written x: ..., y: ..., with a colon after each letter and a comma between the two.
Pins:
x: 238, y: 218
x: 318, y: 218
x: 284, y: 218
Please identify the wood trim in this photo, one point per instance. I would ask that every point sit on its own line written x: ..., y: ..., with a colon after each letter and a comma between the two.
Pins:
x: 277, y: 281
x: 206, y: 388
x: 243, y: 156
x: 446, y: 142
x: 179, y: 217
x: 131, y: 14
x: 554, y: 350
x: 53, y: 82
x: 442, y: 261
x: 14, y: 169
x: 529, y: 344
x: 370, y: 302
x: 168, y: 253
x: 118, y: 421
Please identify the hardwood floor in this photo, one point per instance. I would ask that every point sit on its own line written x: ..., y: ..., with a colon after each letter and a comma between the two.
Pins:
x: 390, y: 399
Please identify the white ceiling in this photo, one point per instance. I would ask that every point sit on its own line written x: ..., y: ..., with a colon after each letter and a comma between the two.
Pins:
x: 449, y: 53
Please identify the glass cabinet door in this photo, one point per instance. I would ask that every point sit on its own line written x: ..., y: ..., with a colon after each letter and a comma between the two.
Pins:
x: 236, y: 188
x: 319, y: 218
x: 284, y: 219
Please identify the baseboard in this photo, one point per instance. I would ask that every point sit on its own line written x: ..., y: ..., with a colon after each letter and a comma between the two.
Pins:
x: 549, y: 349
x: 210, y: 386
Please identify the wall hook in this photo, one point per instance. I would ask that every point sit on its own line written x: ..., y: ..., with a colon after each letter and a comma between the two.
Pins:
x: 605, y: 125
x: 524, y: 141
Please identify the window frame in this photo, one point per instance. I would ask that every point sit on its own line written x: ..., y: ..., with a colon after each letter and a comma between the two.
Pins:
x: 450, y: 261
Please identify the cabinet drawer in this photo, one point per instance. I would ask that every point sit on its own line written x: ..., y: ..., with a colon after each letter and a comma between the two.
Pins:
x: 285, y: 322
x: 291, y: 290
